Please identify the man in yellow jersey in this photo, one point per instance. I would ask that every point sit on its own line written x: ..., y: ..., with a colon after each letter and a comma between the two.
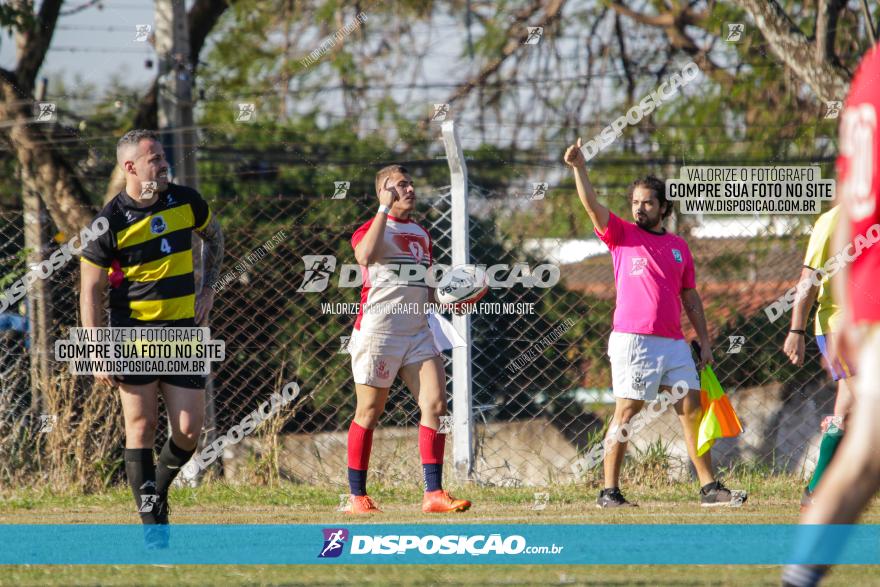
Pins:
x: 827, y: 321
x: 146, y: 257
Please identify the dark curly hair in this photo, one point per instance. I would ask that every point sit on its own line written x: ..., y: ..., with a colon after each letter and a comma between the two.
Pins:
x: 656, y: 185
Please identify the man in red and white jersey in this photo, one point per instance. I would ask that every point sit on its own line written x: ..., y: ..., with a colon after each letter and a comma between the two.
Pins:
x: 854, y: 476
x: 391, y: 337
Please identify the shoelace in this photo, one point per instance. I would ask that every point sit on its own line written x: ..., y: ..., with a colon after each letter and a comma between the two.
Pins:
x: 444, y: 495
x: 366, y: 499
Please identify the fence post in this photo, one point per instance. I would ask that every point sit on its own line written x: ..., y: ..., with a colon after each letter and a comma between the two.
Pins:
x: 462, y: 399
x: 175, y: 113
x: 39, y: 296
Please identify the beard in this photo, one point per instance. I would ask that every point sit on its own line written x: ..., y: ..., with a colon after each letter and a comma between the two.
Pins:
x: 649, y: 223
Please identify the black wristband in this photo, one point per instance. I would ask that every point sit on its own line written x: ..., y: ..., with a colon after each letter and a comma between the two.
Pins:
x: 801, y: 332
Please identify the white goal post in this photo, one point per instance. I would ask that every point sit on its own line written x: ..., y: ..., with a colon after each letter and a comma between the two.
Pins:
x: 462, y: 399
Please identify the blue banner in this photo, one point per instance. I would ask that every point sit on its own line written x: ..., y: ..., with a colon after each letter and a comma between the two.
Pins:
x: 623, y: 544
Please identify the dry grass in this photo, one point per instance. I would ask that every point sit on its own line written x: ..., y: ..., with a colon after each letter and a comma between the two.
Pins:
x: 262, y: 466
x: 80, y: 450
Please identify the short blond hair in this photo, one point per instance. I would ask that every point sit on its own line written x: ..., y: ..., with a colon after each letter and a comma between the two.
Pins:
x: 385, y: 172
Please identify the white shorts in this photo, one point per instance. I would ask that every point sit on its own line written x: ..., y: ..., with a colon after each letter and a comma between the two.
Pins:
x: 376, y: 358
x: 641, y: 363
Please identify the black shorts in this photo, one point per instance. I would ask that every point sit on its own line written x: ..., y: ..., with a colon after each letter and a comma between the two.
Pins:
x: 187, y: 381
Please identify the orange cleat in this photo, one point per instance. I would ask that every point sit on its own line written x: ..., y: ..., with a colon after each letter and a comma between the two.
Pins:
x: 440, y: 502
x: 361, y: 504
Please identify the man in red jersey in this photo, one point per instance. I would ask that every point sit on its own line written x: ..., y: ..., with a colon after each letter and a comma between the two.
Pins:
x: 391, y: 336
x: 854, y: 476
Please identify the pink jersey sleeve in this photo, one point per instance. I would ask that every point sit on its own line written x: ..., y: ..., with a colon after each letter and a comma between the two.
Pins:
x: 688, y: 277
x: 613, y: 231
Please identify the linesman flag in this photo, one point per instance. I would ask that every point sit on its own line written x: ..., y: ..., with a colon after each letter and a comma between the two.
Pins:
x: 719, y: 418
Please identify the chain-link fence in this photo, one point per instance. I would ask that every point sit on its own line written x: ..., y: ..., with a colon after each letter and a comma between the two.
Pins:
x: 540, y: 375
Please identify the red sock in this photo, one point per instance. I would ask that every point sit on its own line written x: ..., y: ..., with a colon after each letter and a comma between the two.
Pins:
x: 431, y: 445
x: 360, y: 442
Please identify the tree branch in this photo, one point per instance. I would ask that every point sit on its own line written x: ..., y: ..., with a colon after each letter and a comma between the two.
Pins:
x: 624, y: 59
x: 673, y: 24
x: 33, y: 43
x: 201, y: 19
x: 678, y: 18
x: 829, y: 81
x: 663, y: 20
x: 43, y: 169
x: 514, y: 42
x: 827, y: 13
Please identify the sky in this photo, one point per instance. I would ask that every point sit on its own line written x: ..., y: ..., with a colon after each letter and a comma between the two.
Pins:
x: 96, y: 44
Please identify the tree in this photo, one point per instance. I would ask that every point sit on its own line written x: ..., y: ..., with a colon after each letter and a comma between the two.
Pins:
x: 43, y: 169
x: 818, y: 59
x: 815, y: 63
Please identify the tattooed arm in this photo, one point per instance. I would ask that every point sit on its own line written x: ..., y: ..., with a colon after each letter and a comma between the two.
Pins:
x: 212, y: 255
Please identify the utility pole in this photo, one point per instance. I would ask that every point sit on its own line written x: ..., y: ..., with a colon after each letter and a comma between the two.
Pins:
x: 39, y: 296
x: 175, y: 90
x: 180, y: 140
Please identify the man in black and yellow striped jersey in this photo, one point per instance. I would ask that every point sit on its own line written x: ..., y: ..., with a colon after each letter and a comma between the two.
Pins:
x: 146, y: 257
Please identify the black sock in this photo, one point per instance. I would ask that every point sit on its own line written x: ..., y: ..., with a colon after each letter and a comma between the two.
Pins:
x: 357, y: 481
x: 171, y: 459
x: 433, y: 476
x: 141, y: 476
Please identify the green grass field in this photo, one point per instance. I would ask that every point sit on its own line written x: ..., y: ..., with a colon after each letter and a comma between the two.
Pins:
x: 772, y: 500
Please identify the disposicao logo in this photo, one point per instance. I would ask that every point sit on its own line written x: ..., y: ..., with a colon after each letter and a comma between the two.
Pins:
x: 334, y: 541
x: 473, y: 545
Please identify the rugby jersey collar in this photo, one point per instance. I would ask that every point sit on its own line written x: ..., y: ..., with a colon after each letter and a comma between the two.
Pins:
x: 129, y: 202
x: 664, y: 233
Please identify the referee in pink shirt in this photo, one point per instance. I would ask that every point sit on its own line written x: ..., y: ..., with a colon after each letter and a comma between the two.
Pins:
x: 654, y: 275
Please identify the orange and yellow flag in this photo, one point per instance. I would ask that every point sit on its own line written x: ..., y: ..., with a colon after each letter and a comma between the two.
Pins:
x: 719, y: 418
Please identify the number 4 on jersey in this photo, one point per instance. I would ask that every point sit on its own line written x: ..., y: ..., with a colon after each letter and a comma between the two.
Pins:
x: 164, y: 246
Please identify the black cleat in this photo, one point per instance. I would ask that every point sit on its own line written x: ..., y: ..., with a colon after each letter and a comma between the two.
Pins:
x: 715, y: 494
x: 156, y: 536
x: 613, y: 498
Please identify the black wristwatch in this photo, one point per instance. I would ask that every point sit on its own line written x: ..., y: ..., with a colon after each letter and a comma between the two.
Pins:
x: 801, y: 332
